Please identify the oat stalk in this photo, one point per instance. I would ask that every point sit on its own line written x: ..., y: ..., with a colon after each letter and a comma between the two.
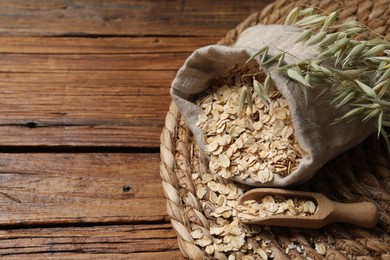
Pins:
x: 354, y: 68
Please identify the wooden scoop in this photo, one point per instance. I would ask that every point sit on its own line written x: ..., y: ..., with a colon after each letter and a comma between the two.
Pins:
x: 363, y: 214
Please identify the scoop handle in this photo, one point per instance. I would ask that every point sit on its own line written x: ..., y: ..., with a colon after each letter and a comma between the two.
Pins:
x: 363, y: 214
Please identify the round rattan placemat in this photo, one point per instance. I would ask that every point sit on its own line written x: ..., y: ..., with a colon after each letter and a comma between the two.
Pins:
x: 361, y: 174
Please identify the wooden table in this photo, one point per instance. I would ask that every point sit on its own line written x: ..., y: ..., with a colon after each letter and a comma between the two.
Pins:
x: 84, y: 89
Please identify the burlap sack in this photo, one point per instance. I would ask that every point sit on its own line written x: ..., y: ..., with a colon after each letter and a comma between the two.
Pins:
x: 314, y: 132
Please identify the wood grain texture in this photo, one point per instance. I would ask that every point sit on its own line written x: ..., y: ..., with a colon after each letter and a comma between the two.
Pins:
x: 110, y: 108
x: 105, y: 45
x: 161, y: 255
x: 80, y: 188
x: 123, y: 17
x: 92, y: 63
x: 77, y: 100
x: 90, y: 92
x: 80, y: 80
x: 87, y: 91
x: 47, y: 134
x: 111, y: 239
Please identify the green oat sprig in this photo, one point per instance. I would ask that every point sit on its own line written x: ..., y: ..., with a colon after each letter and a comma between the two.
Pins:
x: 356, y: 69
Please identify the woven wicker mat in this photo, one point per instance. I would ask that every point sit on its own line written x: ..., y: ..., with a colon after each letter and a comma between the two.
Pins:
x: 361, y: 174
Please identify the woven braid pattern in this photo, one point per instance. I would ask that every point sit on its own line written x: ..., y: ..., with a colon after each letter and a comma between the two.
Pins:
x: 362, y: 174
x: 372, y: 13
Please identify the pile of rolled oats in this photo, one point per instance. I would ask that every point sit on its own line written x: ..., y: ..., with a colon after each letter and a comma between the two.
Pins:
x: 226, y: 235
x: 251, y: 143
x: 245, y: 144
x: 275, y: 205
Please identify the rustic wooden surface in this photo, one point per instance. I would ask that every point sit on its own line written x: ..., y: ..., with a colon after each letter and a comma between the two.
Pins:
x: 84, y: 88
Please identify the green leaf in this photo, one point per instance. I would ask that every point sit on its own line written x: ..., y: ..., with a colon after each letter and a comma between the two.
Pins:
x: 258, y: 89
x: 352, y: 113
x: 307, y: 18
x: 257, y: 53
x: 354, y: 30
x: 383, y: 86
x: 381, y: 66
x: 375, y: 50
x: 292, y: 16
x: 314, y: 66
x: 330, y: 20
x: 308, y: 78
x: 339, y: 97
x: 281, y: 61
x: 380, y: 120
x: 339, y: 55
x: 265, y: 55
x: 385, y: 76
x: 272, y: 59
x: 328, y: 40
x: 347, y: 99
x: 295, y: 74
x: 312, y: 20
x: 306, y: 11
x: 337, y: 46
x: 323, y: 91
x: 348, y: 74
x: 375, y: 42
x: 267, y: 85
x: 316, y: 38
x: 350, y: 24
x: 366, y: 89
x: 374, y: 60
x: 354, y: 53
x: 381, y: 58
x: 342, y: 43
x: 372, y: 114
x: 383, y: 103
x: 328, y: 53
x: 305, y: 35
